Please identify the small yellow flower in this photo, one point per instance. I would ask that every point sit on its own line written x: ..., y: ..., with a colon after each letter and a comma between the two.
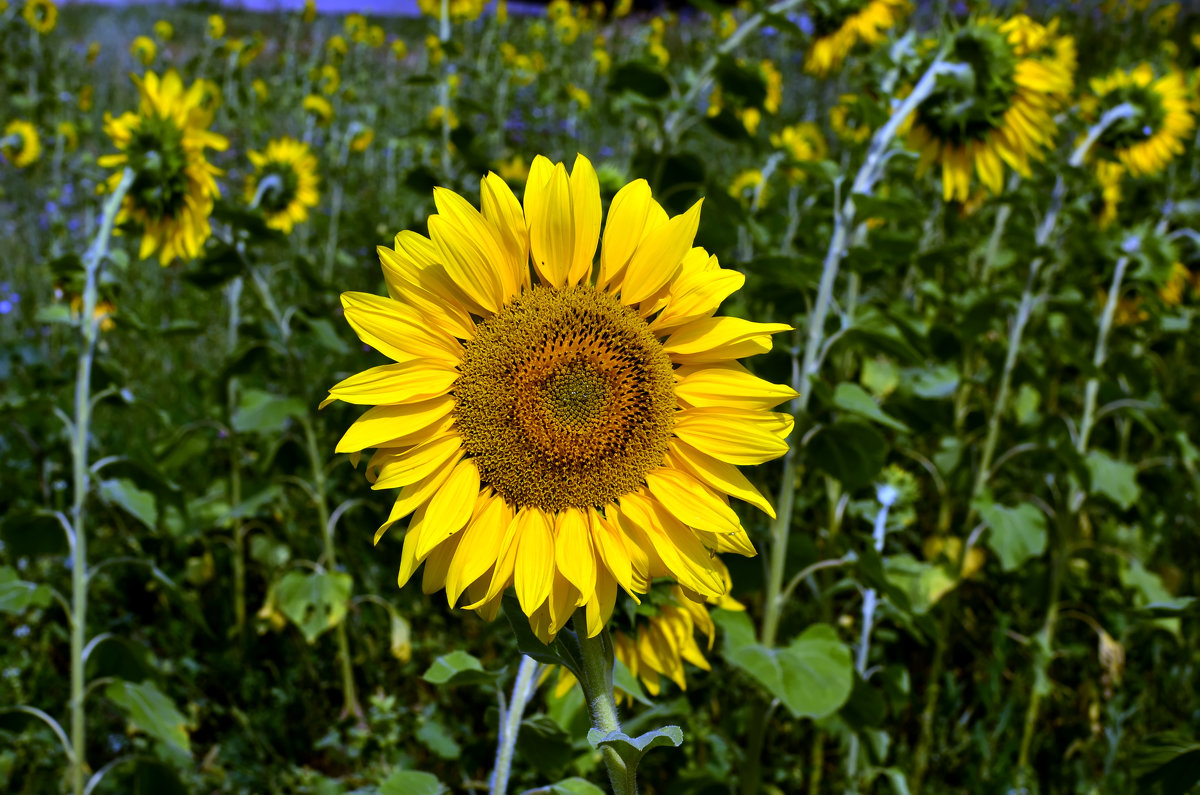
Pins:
x: 22, y: 146
x: 294, y: 167
x: 164, y: 30
x: 803, y: 143
x: 144, y: 49
x: 42, y: 15
x: 259, y: 86
x: 725, y: 24
x: 319, y: 107
x: 843, y: 118
x: 336, y: 49
x: 501, y: 11
x: 69, y: 135
x: 438, y: 113
x: 1109, y: 175
x: 330, y: 80
x: 579, y: 96
x: 659, y: 53
x: 745, y: 184
x: 1163, y: 20
x: 622, y: 8
x: 537, y: 31
x: 310, y: 12
x: 566, y: 29
x: 433, y: 45
x: 1161, y: 126
x: 557, y: 9
x: 1177, y: 283
x: 355, y: 27
x: 375, y: 36
x: 251, y: 50
x: 602, y: 60
x: 362, y: 139
x: 751, y: 118
x: 93, y: 52
x: 86, y: 93
x: 399, y: 49
x: 102, y: 313
x: 774, y: 80
x: 216, y: 27
x: 513, y: 170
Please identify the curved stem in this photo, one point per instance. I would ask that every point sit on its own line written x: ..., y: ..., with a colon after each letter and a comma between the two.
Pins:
x: 510, y: 723
x: 79, y: 451
x: 597, y: 683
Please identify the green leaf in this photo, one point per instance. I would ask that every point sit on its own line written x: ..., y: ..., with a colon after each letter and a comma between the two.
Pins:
x: 124, y: 494
x: 458, y: 668
x: 922, y: 583
x: 632, y: 749
x: 1115, y: 479
x: 740, y: 83
x: 813, y: 676
x: 1016, y: 534
x: 1167, y: 764
x: 854, y: 399
x: 849, y: 451
x: 151, y: 711
x: 262, y: 412
x: 436, y: 737
x: 559, y: 652
x: 575, y: 786
x: 932, y: 383
x: 114, y: 656
x: 412, y: 782
x: 31, y: 534
x: 625, y: 680
x: 314, y: 601
x: 545, y: 745
x: 17, y: 595
x: 639, y: 78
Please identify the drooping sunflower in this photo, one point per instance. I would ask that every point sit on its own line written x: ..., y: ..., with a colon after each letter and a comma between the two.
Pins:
x: 1160, y: 125
x: 174, y: 184
x: 22, y: 146
x: 144, y: 49
x: 567, y: 428
x: 1003, y: 113
x: 42, y: 15
x: 286, y: 201
x: 841, y: 25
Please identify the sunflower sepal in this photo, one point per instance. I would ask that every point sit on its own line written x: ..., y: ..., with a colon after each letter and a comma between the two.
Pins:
x: 563, y: 650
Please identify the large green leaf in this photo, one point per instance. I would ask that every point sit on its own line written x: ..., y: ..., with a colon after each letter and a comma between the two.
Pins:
x: 151, y: 711
x: 314, y: 601
x: 125, y: 494
x: 412, y: 782
x: 854, y: 399
x: 812, y: 676
x: 458, y: 668
x: 849, y: 451
x: 1167, y: 764
x: 922, y: 583
x: 1015, y: 534
x: 262, y: 412
x: 1115, y: 479
x: 17, y: 595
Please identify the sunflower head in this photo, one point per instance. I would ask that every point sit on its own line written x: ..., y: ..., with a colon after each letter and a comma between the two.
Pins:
x: 839, y: 26
x: 22, y: 147
x: 1155, y: 130
x: 144, y: 49
x: 284, y: 182
x: 42, y: 15
x: 963, y: 109
x: 319, y: 108
x: 559, y: 423
x: 174, y: 185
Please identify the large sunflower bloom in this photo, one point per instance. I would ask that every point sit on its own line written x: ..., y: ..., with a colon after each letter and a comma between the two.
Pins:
x: 841, y: 25
x: 1160, y: 125
x: 42, y: 15
x: 174, y: 185
x: 567, y: 430
x: 1004, y: 114
x: 294, y: 167
x: 22, y: 146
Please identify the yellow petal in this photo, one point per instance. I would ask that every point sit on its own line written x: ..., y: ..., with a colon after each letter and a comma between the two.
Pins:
x: 474, y: 227
x: 573, y: 553
x: 691, y: 502
x: 552, y: 228
x: 414, y: 495
x: 728, y: 384
x: 735, y: 436
x: 383, y: 423
x: 720, y: 338
x: 466, y: 264
x: 609, y: 547
x: 395, y: 383
x: 533, y: 572
x: 503, y: 211
x: 480, y: 547
x: 657, y: 257
x: 626, y: 221
x: 585, y: 204
x: 417, y: 463
x: 717, y: 474
x: 451, y: 506
x: 599, y: 607
x: 397, y: 331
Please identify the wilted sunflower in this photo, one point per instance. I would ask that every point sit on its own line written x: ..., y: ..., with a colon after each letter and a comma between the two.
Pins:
x: 568, y: 428
x: 22, y: 147
x: 285, y: 201
x: 174, y: 185
x: 42, y: 15
x: 1003, y: 113
x: 1161, y: 122
x: 841, y: 25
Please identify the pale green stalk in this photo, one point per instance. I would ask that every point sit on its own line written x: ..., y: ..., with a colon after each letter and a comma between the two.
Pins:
x: 444, y: 84
x: 79, y: 454
x: 597, y: 684
x: 335, y: 206
x: 510, y: 722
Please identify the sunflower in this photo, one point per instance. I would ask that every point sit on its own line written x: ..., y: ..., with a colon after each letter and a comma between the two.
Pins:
x: 144, y: 49
x: 846, y: 118
x: 802, y: 143
x: 1161, y: 122
x: 319, y: 107
x: 22, y: 146
x: 174, y: 185
x: 841, y: 25
x: 1002, y: 114
x: 42, y: 15
x: 216, y: 27
x: 294, y: 167
x: 568, y: 430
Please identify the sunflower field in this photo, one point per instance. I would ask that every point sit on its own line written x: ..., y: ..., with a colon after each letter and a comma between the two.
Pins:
x: 781, y: 397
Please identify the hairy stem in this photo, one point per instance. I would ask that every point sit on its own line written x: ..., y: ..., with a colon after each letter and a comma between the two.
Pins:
x: 510, y: 723
x: 597, y: 683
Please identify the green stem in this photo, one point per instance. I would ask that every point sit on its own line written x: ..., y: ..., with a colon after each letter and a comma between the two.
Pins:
x: 233, y: 297
x: 597, y: 683
x: 79, y: 454
x: 510, y: 722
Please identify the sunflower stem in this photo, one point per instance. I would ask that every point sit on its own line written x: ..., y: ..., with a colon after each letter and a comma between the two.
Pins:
x: 597, y: 683
x: 79, y: 454
x: 1045, y: 640
x: 1110, y: 117
x: 510, y: 722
